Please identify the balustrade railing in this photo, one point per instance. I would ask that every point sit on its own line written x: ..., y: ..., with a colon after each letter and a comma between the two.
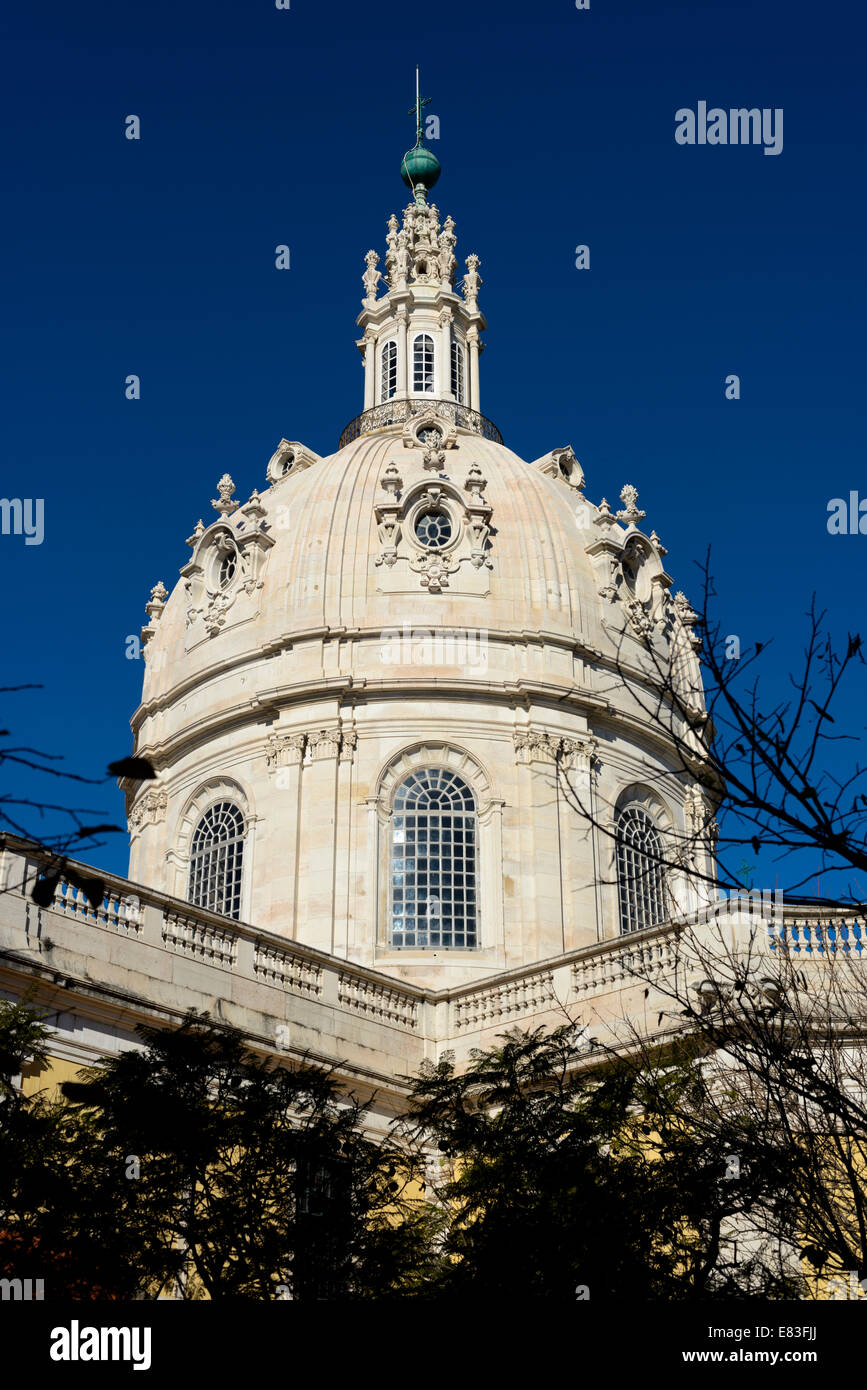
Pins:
x: 397, y: 412
x: 151, y: 918
x: 812, y: 938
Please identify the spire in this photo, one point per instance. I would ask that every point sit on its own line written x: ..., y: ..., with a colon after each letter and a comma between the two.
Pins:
x: 421, y: 331
x: 419, y: 168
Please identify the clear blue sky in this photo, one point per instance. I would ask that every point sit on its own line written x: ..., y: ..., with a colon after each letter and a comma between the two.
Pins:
x: 262, y: 126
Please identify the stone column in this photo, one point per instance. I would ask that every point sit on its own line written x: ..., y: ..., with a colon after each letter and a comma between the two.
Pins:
x: 343, y: 837
x: 446, y: 355
x: 402, y: 365
x: 318, y: 846
x: 473, y: 342
x: 284, y: 755
x: 536, y: 754
x: 579, y: 847
x: 369, y: 371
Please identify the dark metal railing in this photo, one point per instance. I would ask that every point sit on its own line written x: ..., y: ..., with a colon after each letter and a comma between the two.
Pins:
x: 397, y: 412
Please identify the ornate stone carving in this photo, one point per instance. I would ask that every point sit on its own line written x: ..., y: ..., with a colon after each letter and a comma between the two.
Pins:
x: 446, y: 260
x: 154, y: 609
x: 702, y: 829
x: 209, y: 598
x: 392, y: 482
x: 603, y: 518
x: 387, y: 514
x: 216, y: 610
x: 475, y: 482
x: 579, y: 755
x: 391, y: 249
x: 348, y: 742
x: 419, y: 428
x: 324, y: 743
x: 433, y: 570
x: 639, y: 618
x: 290, y: 456
x: 684, y: 610
x: 630, y: 514
x: 562, y: 465
x: 285, y: 750
x: 148, y: 809
x: 472, y: 282
x: 253, y: 510
x: 371, y: 276
x: 533, y: 745
x: 402, y: 260
x: 224, y: 504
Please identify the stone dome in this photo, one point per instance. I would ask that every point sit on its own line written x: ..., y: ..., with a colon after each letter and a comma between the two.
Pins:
x: 327, y: 572
x: 421, y: 637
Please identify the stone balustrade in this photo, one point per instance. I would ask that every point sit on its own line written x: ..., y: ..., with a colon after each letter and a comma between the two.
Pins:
x: 144, y: 956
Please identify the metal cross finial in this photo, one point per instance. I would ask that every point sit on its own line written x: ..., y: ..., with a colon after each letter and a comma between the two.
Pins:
x: 420, y: 103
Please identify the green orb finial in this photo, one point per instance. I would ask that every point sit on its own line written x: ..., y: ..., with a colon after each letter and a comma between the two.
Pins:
x: 419, y: 168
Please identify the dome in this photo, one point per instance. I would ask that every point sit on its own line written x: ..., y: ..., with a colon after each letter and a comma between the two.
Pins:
x: 327, y: 570
x: 394, y: 701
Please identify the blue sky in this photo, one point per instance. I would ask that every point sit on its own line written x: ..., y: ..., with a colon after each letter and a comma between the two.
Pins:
x: 263, y: 126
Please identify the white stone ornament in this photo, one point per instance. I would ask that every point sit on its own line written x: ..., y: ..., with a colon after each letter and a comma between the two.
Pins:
x: 630, y: 513
x: 224, y: 503
x: 371, y: 276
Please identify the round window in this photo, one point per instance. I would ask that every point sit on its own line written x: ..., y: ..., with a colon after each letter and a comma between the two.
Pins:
x: 433, y: 529
x: 228, y: 565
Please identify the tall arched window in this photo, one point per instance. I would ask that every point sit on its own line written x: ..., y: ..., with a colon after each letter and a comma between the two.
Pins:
x: 640, y: 873
x: 388, y: 371
x: 458, y: 373
x: 216, y: 860
x: 433, y: 861
x: 423, y: 364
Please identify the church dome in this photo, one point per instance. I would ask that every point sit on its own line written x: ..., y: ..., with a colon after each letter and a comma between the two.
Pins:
x: 514, y: 561
x: 386, y: 700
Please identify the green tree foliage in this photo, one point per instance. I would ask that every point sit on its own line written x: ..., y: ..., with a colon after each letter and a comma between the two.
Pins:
x: 57, y: 1198
x: 193, y: 1166
x: 561, y: 1177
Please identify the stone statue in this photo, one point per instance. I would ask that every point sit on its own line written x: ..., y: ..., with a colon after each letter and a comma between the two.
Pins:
x: 472, y: 280
x: 402, y: 260
x: 391, y: 248
x: 371, y: 276
x: 446, y: 259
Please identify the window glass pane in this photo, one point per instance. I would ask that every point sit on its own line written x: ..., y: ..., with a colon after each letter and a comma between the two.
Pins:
x: 216, y: 860
x: 640, y: 876
x: 435, y: 811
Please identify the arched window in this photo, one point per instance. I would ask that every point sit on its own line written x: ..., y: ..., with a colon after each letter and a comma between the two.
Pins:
x: 216, y: 860
x: 433, y: 861
x: 423, y: 364
x: 388, y: 371
x: 458, y: 373
x: 640, y: 873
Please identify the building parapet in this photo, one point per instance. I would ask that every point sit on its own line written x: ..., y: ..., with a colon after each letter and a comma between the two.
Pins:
x: 140, y: 955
